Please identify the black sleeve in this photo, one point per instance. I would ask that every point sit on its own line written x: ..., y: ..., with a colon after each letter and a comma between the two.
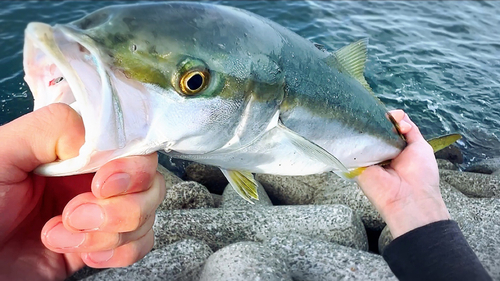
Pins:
x: 437, y: 251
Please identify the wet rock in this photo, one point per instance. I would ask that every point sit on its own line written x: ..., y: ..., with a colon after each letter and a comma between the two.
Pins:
x: 209, y: 176
x: 292, y: 190
x: 220, y: 227
x: 311, y: 259
x: 339, y: 191
x: 170, y: 178
x: 486, y: 166
x: 179, y: 261
x: 446, y: 165
x: 473, y: 184
x: 451, y: 153
x: 187, y: 195
x: 231, y: 199
x: 245, y: 261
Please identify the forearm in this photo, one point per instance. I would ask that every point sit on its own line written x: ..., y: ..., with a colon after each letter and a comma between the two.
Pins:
x: 437, y: 251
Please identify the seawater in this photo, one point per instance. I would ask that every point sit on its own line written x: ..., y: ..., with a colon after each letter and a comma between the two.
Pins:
x: 439, y: 61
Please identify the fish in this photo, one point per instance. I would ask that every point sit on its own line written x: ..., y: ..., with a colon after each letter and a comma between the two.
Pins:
x: 212, y: 84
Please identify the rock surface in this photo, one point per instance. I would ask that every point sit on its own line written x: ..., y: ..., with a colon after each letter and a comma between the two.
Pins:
x: 244, y: 261
x: 181, y: 261
x: 232, y: 200
x: 486, y: 166
x: 221, y: 227
x: 473, y: 184
x: 187, y: 195
x: 209, y: 176
x: 315, y: 260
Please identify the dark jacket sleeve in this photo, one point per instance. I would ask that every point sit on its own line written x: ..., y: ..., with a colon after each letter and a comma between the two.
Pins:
x: 437, y: 251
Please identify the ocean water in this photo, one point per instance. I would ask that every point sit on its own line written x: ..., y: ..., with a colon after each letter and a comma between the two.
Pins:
x: 439, y: 61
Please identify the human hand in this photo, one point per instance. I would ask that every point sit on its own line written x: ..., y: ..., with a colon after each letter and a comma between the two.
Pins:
x: 51, y: 227
x: 406, y: 193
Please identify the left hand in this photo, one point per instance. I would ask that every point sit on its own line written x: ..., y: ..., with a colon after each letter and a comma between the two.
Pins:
x: 52, y: 227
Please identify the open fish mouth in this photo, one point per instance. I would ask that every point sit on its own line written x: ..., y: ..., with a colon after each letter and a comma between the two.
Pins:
x: 63, y: 65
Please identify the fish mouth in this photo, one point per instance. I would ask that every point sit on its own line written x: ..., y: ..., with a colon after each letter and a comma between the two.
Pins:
x: 62, y: 64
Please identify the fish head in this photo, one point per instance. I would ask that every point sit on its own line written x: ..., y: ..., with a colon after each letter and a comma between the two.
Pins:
x: 151, y: 77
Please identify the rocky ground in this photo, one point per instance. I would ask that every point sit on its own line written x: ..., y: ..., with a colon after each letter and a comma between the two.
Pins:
x: 316, y: 227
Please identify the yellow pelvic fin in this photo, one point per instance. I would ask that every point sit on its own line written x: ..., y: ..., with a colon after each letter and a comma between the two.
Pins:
x: 243, y: 183
x: 443, y: 141
x: 354, y: 173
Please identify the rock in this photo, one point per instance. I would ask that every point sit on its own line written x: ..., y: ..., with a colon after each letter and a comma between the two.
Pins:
x: 217, y: 199
x: 221, y: 227
x: 292, y: 190
x: 486, y: 166
x: 170, y: 178
x: 311, y: 259
x: 209, y: 176
x: 473, y: 184
x: 446, y: 165
x: 84, y: 273
x: 179, y: 261
x: 231, y: 199
x: 451, y: 153
x: 339, y: 191
x: 187, y: 195
x: 384, y: 239
x: 245, y: 261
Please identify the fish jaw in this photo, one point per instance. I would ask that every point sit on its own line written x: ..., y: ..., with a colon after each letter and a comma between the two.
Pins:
x: 90, y: 87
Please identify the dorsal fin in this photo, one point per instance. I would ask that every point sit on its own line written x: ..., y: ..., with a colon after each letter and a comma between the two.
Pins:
x: 351, y: 59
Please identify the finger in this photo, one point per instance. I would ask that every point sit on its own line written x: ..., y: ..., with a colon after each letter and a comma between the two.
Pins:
x: 414, y: 134
x: 122, y: 256
x: 398, y: 116
x: 125, y: 175
x: 60, y: 240
x: 122, y: 213
x: 59, y: 135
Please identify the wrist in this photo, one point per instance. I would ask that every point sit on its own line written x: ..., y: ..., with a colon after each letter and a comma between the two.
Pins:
x: 411, y: 215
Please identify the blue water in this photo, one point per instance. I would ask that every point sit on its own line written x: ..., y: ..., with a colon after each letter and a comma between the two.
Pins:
x: 439, y: 61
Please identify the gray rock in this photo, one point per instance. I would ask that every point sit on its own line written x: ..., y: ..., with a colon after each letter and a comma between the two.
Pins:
x: 187, y: 195
x: 245, y: 261
x: 473, y: 184
x: 451, y: 153
x: 170, y: 178
x: 221, y: 227
x: 209, y: 176
x: 292, y: 190
x: 384, y: 239
x: 497, y: 173
x: 217, y: 200
x: 339, y: 191
x: 179, y: 261
x: 486, y: 166
x: 84, y: 273
x: 231, y: 199
x: 446, y: 165
x: 311, y: 259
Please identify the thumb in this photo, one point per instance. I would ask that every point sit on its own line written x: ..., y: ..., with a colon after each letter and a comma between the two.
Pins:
x: 53, y: 132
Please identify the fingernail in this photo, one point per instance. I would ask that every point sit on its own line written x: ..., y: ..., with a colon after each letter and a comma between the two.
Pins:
x: 86, y: 217
x: 115, y: 184
x: 60, y: 237
x: 102, y: 256
x: 404, y: 126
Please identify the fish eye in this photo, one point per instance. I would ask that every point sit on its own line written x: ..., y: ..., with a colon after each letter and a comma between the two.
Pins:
x: 194, y: 82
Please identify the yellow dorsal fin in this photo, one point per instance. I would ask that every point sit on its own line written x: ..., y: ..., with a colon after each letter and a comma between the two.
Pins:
x: 443, y: 141
x: 351, y: 59
x: 243, y: 183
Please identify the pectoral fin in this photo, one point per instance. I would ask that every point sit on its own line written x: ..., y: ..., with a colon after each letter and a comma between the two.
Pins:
x: 243, y: 182
x: 310, y: 148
